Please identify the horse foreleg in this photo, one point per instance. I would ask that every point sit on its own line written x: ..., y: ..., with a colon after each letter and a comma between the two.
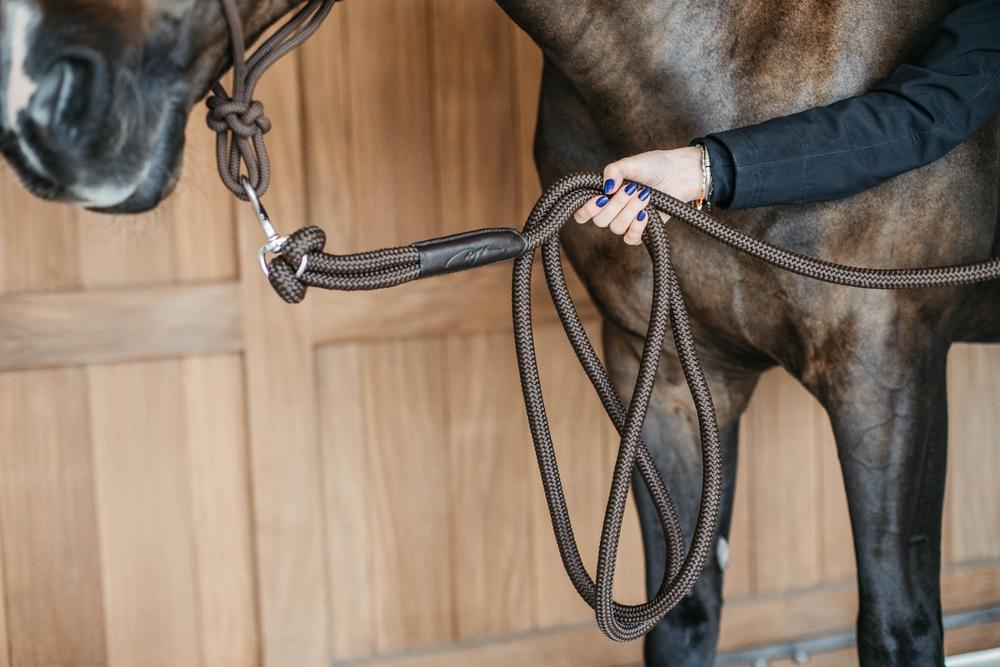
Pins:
x: 688, y: 634
x: 890, y: 420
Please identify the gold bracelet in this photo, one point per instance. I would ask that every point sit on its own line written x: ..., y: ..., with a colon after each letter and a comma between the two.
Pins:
x: 706, y: 179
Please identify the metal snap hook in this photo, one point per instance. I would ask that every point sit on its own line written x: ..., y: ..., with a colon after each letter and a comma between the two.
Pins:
x: 275, y: 242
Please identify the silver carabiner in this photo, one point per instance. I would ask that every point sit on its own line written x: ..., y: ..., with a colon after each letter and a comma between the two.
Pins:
x: 275, y: 243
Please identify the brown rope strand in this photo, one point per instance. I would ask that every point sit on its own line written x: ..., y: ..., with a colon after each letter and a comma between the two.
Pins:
x: 237, y: 119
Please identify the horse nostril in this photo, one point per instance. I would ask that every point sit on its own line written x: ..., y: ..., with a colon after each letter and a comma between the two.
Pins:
x: 70, y: 99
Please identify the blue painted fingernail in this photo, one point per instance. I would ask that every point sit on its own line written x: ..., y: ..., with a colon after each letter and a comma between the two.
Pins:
x: 641, y: 216
x: 609, y: 186
x: 630, y: 188
x: 601, y: 201
x: 644, y: 195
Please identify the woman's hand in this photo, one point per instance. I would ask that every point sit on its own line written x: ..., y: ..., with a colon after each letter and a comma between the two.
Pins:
x: 676, y: 172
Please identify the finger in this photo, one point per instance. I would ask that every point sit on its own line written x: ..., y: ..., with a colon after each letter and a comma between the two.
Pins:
x: 634, y: 234
x: 622, y: 221
x: 590, y: 209
x: 615, y: 205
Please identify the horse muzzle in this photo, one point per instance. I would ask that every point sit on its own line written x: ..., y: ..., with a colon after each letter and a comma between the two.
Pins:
x: 84, y: 120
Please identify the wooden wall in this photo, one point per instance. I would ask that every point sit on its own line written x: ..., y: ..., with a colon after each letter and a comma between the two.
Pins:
x: 193, y: 473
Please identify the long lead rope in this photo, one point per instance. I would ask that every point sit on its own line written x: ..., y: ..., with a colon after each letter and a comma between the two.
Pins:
x: 300, y: 262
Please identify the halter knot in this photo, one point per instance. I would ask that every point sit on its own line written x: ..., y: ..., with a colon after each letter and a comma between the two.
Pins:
x: 244, y: 119
x: 239, y: 126
x: 237, y: 119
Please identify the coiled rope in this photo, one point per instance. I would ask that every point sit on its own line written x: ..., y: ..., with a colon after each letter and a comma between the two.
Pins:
x: 301, y: 263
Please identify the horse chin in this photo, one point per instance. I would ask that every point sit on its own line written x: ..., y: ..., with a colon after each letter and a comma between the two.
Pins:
x: 162, y: 171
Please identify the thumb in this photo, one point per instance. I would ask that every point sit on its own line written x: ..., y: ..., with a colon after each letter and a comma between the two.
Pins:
x: 644, y: 168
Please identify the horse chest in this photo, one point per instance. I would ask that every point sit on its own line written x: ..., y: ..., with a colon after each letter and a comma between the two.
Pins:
x: 685, y: 71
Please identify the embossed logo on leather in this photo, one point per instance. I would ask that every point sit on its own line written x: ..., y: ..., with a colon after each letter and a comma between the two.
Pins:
x: 482, y: 254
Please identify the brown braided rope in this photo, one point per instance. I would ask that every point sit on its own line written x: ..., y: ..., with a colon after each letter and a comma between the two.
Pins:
x: 303, y: 263
x: 394, y: 266
x: 237, y: 119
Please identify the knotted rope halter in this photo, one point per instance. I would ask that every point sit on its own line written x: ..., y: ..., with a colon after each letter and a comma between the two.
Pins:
x: 238, y: 120
x: 300, y: 262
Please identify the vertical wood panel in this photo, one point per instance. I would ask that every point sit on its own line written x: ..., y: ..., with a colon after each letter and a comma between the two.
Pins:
x: 137, y: 426
x: 394, y: 194
x: 837, y: 552
x: 492, y: 479
x: 475, y: 149
x: 4, y: 644
x: 412, y: 524
x: 630, y: 577
x: 575, y: 416
x: 38, y: 240
x: 200, y: 213
x: 473, y: 115
x: 284, y: 454
x: 630, y: 580
x: 327, y: 64
x: 221, y: 514
x: 49, y: 528
x: 344, y: 442
x: 779, y: 428
x: 974, y: 454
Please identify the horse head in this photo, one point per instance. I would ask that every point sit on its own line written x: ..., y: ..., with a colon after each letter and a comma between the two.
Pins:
x: 94, y: 94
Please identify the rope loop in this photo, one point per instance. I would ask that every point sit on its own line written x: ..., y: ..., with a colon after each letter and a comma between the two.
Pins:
x: 240, y: 126
x: 283, y: 269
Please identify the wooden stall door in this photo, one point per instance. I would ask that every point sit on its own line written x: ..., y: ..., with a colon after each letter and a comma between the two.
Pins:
x: 194, y: 473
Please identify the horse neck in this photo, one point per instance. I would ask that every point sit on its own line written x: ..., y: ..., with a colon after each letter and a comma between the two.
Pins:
x: 775, y: 56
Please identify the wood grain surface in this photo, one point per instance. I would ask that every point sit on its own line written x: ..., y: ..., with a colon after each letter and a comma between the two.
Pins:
x: 194, y: 473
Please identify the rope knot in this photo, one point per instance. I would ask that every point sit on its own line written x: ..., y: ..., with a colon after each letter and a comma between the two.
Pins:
x: 239, y: 125
x: 282, y: 270
x: 237, y: 119
x: 245, y: 119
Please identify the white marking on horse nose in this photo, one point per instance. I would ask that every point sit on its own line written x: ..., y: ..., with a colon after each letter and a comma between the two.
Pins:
x: 103, y: 196
x: 20, y: 20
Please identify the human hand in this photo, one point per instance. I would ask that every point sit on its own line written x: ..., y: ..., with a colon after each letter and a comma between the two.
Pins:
x: 621, y: 208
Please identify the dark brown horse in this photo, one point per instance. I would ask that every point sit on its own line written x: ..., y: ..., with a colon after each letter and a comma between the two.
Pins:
x: 623, y: 77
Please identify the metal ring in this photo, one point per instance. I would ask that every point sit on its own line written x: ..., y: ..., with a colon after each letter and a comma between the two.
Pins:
x: 252, y: 196
x: 275, y: 242
x: 302, y: 266
x: 259, y: 210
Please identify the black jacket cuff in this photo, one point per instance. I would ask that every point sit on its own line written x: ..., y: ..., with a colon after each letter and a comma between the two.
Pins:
x: 762, y: 176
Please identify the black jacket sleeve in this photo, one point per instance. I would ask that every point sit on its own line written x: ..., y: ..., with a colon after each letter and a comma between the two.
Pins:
x: 948, y: 87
